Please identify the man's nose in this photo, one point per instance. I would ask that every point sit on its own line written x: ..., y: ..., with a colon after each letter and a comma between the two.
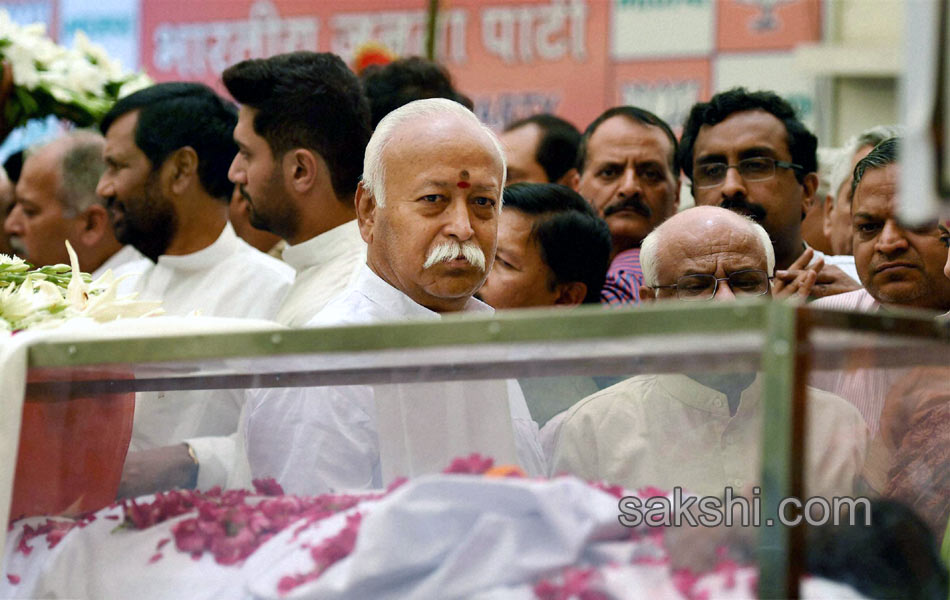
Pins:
x: 458, y: 220
x: 733, y: 185
x: 236, y: 171
x: 893, y: 238
x: 104, y: 187
x: 13, y: 224
x: 724, y: 292
x: 629, y: 183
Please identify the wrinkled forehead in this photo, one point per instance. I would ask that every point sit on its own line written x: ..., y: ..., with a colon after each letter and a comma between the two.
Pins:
x: 877, y: 190
x: 419, y: 143
x: 705, y: 248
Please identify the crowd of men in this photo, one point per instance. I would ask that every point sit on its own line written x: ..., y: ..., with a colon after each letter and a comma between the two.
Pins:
x: 321, y: 199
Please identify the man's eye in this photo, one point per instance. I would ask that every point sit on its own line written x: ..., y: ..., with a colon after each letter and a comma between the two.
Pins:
x: 433, y: 198
x: 608, y: 172
x: 867, y: 227
x: 712, y: 170
x: 945, y: 239
x: 652, y: 175
x: 483, y: 201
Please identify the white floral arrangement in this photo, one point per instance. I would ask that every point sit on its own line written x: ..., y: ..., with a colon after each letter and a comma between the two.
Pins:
x: 79, y: 84
x: 48, y: 296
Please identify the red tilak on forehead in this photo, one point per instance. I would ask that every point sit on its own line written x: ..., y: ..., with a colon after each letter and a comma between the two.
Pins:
x: 464, y: 184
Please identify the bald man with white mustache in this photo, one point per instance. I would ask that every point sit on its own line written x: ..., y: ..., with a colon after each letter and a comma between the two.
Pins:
x: 428, y: 209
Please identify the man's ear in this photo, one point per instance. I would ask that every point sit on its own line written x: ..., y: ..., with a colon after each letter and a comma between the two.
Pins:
x: 571, y: 293
x: 301, y: 169
x: 95, y: 225
x: 647, y: 294
x: 366, y: 207
x: 183, y: 168
x: 570, y: 179
x: 676, y: 196
x: 810, y: 187
x: 575, y: 180
x: 826, y: 215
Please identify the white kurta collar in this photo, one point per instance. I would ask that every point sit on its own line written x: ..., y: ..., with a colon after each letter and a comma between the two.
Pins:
x: 322, y: 249
x: 397, y: 304
x: 222, y: 248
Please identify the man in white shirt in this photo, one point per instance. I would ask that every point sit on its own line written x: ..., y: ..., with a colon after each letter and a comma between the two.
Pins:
x: 301, y: 132
x: 702, y: 431
x: 428, y: 209
x: 167, y: 152
x: 56, y: 202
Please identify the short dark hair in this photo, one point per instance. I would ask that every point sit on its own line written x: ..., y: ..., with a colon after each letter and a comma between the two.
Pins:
x: 802, y: 144
x: 175, y: 115
x: 307, y: 100
x: 400, y: 82
x: 574, y: 242
x: 557, y: 148
x: 637, y: 115
x: 879, y: 157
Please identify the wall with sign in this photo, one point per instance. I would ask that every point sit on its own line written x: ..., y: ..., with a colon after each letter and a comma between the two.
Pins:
x: 513, y: 57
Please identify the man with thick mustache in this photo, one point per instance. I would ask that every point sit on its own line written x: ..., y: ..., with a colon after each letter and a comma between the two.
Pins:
x: 749, y: 152
x: 428, y: 210
x: 628, y: 170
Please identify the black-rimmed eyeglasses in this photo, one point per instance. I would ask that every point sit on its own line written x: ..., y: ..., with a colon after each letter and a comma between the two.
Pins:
x: 758, y: 168
x: 748, y: 282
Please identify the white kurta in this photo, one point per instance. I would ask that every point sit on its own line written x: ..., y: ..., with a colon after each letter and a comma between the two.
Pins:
x: 325, y: 266
x: 229, y: 278
x: 670, y: 430
x: 320, y: 439
x: 845, y: 262
x: 127, y: 261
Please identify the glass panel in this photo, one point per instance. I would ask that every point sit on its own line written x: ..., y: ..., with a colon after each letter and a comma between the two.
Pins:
x: 663, y: 406
x: 892, y: 372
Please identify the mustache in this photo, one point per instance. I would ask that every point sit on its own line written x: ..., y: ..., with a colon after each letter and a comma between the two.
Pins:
x: 756, y: 211
x: 634, y: 204
x: 245, y: 195
x: 452, y: 249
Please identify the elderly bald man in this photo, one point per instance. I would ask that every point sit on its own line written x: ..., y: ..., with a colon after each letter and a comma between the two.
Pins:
x: 702, y: 431
x: 428, y: 209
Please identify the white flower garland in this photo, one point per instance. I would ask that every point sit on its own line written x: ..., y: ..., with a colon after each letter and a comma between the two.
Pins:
x: 44, y: 297
x: 80, y: 83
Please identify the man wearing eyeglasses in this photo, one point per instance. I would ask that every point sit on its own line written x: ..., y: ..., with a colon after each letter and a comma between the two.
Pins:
x: 702, y: 431
x: 749, y: 152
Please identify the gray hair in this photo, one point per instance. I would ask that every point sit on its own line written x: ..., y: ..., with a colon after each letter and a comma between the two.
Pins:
x: 882, y: 155
x: 82, y: 166
x: 841, y: 170
x: 374, y: 169
x: 651, y: 244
